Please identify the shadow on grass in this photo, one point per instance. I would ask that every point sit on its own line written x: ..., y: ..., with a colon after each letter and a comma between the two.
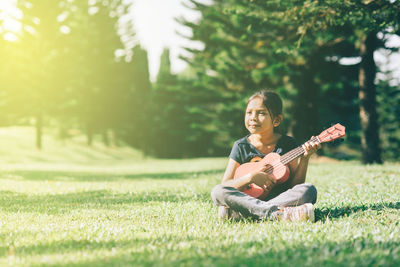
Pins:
x: 337, y: 212
x: 62, y: 246
x: 362, y: 251
x: 331, y: 213
x: 97, y: 176
x: 101, y: 199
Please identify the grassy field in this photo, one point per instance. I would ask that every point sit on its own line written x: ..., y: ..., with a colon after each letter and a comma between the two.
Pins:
x: 71, y: 205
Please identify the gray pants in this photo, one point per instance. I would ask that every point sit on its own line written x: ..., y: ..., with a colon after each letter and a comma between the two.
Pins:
x: 235, y: 204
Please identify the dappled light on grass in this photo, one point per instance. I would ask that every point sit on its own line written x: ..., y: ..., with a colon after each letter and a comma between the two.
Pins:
x: 141, y: 218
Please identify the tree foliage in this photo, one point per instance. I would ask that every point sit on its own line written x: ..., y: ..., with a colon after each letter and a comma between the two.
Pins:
x: 253, y: 47
x: 77, y: 64
x: 295, y: 48
x: 181, y: 125
x: 365, y: 19
x: 71, y: 67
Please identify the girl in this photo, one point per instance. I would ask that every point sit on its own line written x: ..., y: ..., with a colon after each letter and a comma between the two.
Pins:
x: 289, y: 201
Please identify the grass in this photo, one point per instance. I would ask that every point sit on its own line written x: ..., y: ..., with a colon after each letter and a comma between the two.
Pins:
x: 102, y: 210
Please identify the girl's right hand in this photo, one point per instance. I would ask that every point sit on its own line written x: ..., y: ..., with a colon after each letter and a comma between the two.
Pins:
x: 263, y: 180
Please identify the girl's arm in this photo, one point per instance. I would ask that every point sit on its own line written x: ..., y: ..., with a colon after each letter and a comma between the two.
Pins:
x: 258, y: 177
x: 298, y: 169
x: 228, y: 180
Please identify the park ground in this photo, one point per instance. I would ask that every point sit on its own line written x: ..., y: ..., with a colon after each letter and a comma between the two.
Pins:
x: 73, y: 205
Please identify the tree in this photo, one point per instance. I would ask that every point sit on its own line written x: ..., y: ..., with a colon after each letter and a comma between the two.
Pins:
x: 4, y: 73
x: 366, y: 19
x: 180, y: 125
x: 388, y: 99
x: 38, y: 76
x: 135, y: 103
x: 96, y: 76
x: 167, y: 112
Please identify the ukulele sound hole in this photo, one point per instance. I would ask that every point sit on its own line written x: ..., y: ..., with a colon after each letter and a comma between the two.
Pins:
x: 270, y: 169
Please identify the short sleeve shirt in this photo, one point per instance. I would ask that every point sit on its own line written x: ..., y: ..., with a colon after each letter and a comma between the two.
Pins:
x: 243, y: 151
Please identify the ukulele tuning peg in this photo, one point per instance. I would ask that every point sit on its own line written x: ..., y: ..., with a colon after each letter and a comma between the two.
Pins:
x: 327, y: 126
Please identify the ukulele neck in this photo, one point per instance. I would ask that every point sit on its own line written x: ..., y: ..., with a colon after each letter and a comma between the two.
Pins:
x: 295, y: 153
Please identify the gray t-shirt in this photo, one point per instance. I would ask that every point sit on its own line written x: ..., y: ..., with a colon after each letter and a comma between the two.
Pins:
x: 243, y: 151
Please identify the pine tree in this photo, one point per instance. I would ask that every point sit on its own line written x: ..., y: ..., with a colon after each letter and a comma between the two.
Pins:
x: 135, y: 105
x: 39, y: 79
x: 95, y: 76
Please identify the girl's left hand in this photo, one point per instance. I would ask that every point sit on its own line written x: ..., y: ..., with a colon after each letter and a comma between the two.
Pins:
x: 310, y: 148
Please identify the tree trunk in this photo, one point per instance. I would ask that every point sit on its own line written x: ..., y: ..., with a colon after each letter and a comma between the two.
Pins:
x: 371, y: 152
x: 106, y: 138
x: 39, y: 130
x: 89, y: 133
x: 305, y: 115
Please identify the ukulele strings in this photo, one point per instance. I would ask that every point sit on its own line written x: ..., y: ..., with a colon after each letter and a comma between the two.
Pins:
x: 291, y: 155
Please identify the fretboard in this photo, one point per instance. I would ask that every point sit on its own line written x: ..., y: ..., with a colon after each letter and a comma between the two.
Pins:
x: 295, y: 153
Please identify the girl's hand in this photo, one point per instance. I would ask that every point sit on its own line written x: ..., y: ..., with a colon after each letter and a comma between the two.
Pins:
x: 263, y: 180
x: 310, y: 148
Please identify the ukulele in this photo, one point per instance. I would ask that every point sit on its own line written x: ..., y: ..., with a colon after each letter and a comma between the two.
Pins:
x: 277, y: 166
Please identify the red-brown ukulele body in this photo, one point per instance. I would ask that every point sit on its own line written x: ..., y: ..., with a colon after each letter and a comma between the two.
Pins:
x: 275, y: 168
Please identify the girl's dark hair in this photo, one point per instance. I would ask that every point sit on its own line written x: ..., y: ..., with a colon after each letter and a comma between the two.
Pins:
x: 272, y: 101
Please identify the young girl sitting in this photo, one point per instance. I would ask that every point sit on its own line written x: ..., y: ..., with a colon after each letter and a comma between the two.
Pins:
x: 290, y: 201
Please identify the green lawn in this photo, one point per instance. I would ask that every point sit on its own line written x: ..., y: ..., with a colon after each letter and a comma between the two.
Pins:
x: 130, y: 211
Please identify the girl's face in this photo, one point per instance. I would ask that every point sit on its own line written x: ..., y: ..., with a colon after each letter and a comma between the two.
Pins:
x: 257, y: 118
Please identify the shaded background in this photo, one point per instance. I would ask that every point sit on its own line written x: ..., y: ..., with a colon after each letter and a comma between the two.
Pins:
x: 79, y: 67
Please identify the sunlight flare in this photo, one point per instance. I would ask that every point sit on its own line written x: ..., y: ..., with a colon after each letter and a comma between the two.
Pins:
x: 9, y: 20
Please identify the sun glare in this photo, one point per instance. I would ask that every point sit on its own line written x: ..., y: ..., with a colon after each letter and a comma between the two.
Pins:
x: 9, y: 20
